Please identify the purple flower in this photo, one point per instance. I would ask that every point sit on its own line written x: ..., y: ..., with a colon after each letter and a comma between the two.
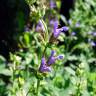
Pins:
x: 77, y: 25
x: 54, y: 22
x: 52, y: 4
x: 73, y: 33
x: 94, y: 34
x: 43, y: 67
x: 40, y: 26
x: 53, y: 58
x: 53, y: 52
x: 93, y: 43
x: 60, y: 57
x: 57, y: 31
x: 64, y: 29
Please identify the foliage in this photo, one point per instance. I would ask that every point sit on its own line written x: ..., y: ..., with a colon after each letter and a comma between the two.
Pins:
x: 75, y: 75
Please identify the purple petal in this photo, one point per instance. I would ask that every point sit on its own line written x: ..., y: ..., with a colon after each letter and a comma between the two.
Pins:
x: 51, y: 61
x: 93, y: 43
x: 59, y: 30
x: 53, y: 53
x: 55, y: 24
x: 45, y: 69
x: 43, y: 61
x: 77, y: 24
x: 43, y: 66
x: 60, y: 57
x: 52, y: 4
x: 52, y: 58
x: 57, y: 33
x: 40, y: 26
x: 51, y: 22
x: 94, y: 33
x: 65, y: 28
x: 73, y: 33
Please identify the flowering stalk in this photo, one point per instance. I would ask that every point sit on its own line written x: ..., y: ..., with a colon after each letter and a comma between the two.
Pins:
x: 46, y: 65
x: 56, y: 31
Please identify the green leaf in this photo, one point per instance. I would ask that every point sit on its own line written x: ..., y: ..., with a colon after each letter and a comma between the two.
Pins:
x: 26, y: 39
x: 63, y: 19
x: 46, y: 31
x: 6, y: 72
x: 70, y: 71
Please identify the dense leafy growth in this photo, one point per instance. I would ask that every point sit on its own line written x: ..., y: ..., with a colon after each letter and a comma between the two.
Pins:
x: 52, y: 60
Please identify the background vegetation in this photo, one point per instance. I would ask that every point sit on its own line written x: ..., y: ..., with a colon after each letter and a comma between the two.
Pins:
x: 74, y: 75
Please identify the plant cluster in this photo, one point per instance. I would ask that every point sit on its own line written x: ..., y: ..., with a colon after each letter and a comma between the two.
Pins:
x: 55, y: 61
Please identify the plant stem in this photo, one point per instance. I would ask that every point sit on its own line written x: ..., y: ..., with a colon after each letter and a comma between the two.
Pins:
x: 45, y: 48
x: 38, y: 84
